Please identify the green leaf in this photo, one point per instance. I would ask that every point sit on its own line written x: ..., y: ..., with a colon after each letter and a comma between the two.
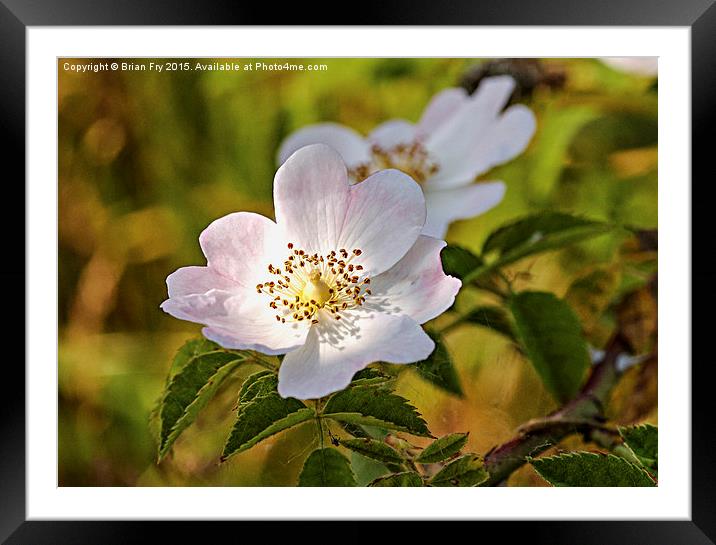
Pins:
x: 369, y: 376
x: 590, y: 469
x: 263, y: 414
x: 257, y: 385
x: 442, y: 448
x: 355, y: 430
x: 467, y: 470
x: 406, y: 478
x: 189, y: 350
x: 493, y: 318
x: 366, y: 470
x: 534, y: 234
x: 197, y: 377
x: 377, y: 450
x: 458, y: 261
x: 643, y: 441
x: 439, y: 369
x: 326, y: 467
x: 184, y: 355
x: 375, y: 407
x: 552, y: 337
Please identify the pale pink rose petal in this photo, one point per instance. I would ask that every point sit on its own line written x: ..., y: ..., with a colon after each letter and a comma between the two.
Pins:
x: 381, y: 216
x: 416, y: 285
x: 441, y: 108
x: 348, y: 143
x: 193, y: 280
x: 480, y: 135
x: 447, y: 205
x: 512, y: 132
x: 239, y: 246
x: 312, y: 197
x: 335, y: 351
x: 201, y: 308
x: 223, y: 296
x: 502, y: 140
x: 480, y: 110
x: 385, y: 218
x: 251, y: 325
x: 238, y: 320
x: 392, y: 133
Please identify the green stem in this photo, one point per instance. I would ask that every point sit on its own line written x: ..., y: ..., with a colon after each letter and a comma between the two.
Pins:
x: 495, y: 290
x: 319, y: 423
x: 266, y: 364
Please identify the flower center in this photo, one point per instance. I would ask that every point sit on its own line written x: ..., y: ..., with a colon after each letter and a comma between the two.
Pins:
x: 310, y: 286
x: 316, y: 289
x: 413, y: 159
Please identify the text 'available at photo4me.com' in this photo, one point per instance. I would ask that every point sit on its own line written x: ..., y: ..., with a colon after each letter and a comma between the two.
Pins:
x: 192, y: 66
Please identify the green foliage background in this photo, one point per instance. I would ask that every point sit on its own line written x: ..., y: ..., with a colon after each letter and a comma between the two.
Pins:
x: 147, y: 160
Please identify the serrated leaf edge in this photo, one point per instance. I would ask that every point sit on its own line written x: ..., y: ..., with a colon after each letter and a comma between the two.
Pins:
x: 582, y: 453
x: 176, y: 429
x: 307, y: 412
x: 431, y: 460
x: 392, y: 476
x: 349, y: 444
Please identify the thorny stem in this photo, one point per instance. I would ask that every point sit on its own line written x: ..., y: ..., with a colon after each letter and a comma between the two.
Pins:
x: 584, y: 414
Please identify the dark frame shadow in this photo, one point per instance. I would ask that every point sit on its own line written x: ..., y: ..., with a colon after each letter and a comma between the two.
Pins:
x: 16, y: 15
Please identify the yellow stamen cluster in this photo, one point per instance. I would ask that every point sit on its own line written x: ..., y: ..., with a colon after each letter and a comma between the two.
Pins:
x: 307, y: 284
x: 413, y: 159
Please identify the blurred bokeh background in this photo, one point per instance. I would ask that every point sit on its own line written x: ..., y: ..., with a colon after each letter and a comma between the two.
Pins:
x: 147, y: 160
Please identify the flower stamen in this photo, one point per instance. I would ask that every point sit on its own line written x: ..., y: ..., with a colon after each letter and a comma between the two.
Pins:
x: 413, y: 159
x: 308, y: 284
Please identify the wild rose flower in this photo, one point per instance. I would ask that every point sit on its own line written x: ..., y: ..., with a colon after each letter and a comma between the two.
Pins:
x: 458, y: 137
x: 343, y: 277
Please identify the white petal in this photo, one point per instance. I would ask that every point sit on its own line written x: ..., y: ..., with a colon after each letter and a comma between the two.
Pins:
x: 223, y: 297
x: 441, y: 108
x: 416, y: 285
x: 498, y: 142
x: 269, y: 338
x: 386, y: 215
x: 201, y: 308
x: 318, y: 209
x: 347, y: 142
x: 192, y: 280
x: 479, y: 137
x: 240, y: 246
x: 481, y: 109
x: 240, y: 320
x: 512, y: 132
x: 448, y: 205
x: 391, y: 133
x: 312, y: 197
x: 335, y: 351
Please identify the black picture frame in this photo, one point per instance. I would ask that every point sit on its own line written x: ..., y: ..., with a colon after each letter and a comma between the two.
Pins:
x: 17, y: 15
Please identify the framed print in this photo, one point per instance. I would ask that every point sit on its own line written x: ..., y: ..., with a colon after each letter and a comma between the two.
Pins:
x: 266, y: 260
